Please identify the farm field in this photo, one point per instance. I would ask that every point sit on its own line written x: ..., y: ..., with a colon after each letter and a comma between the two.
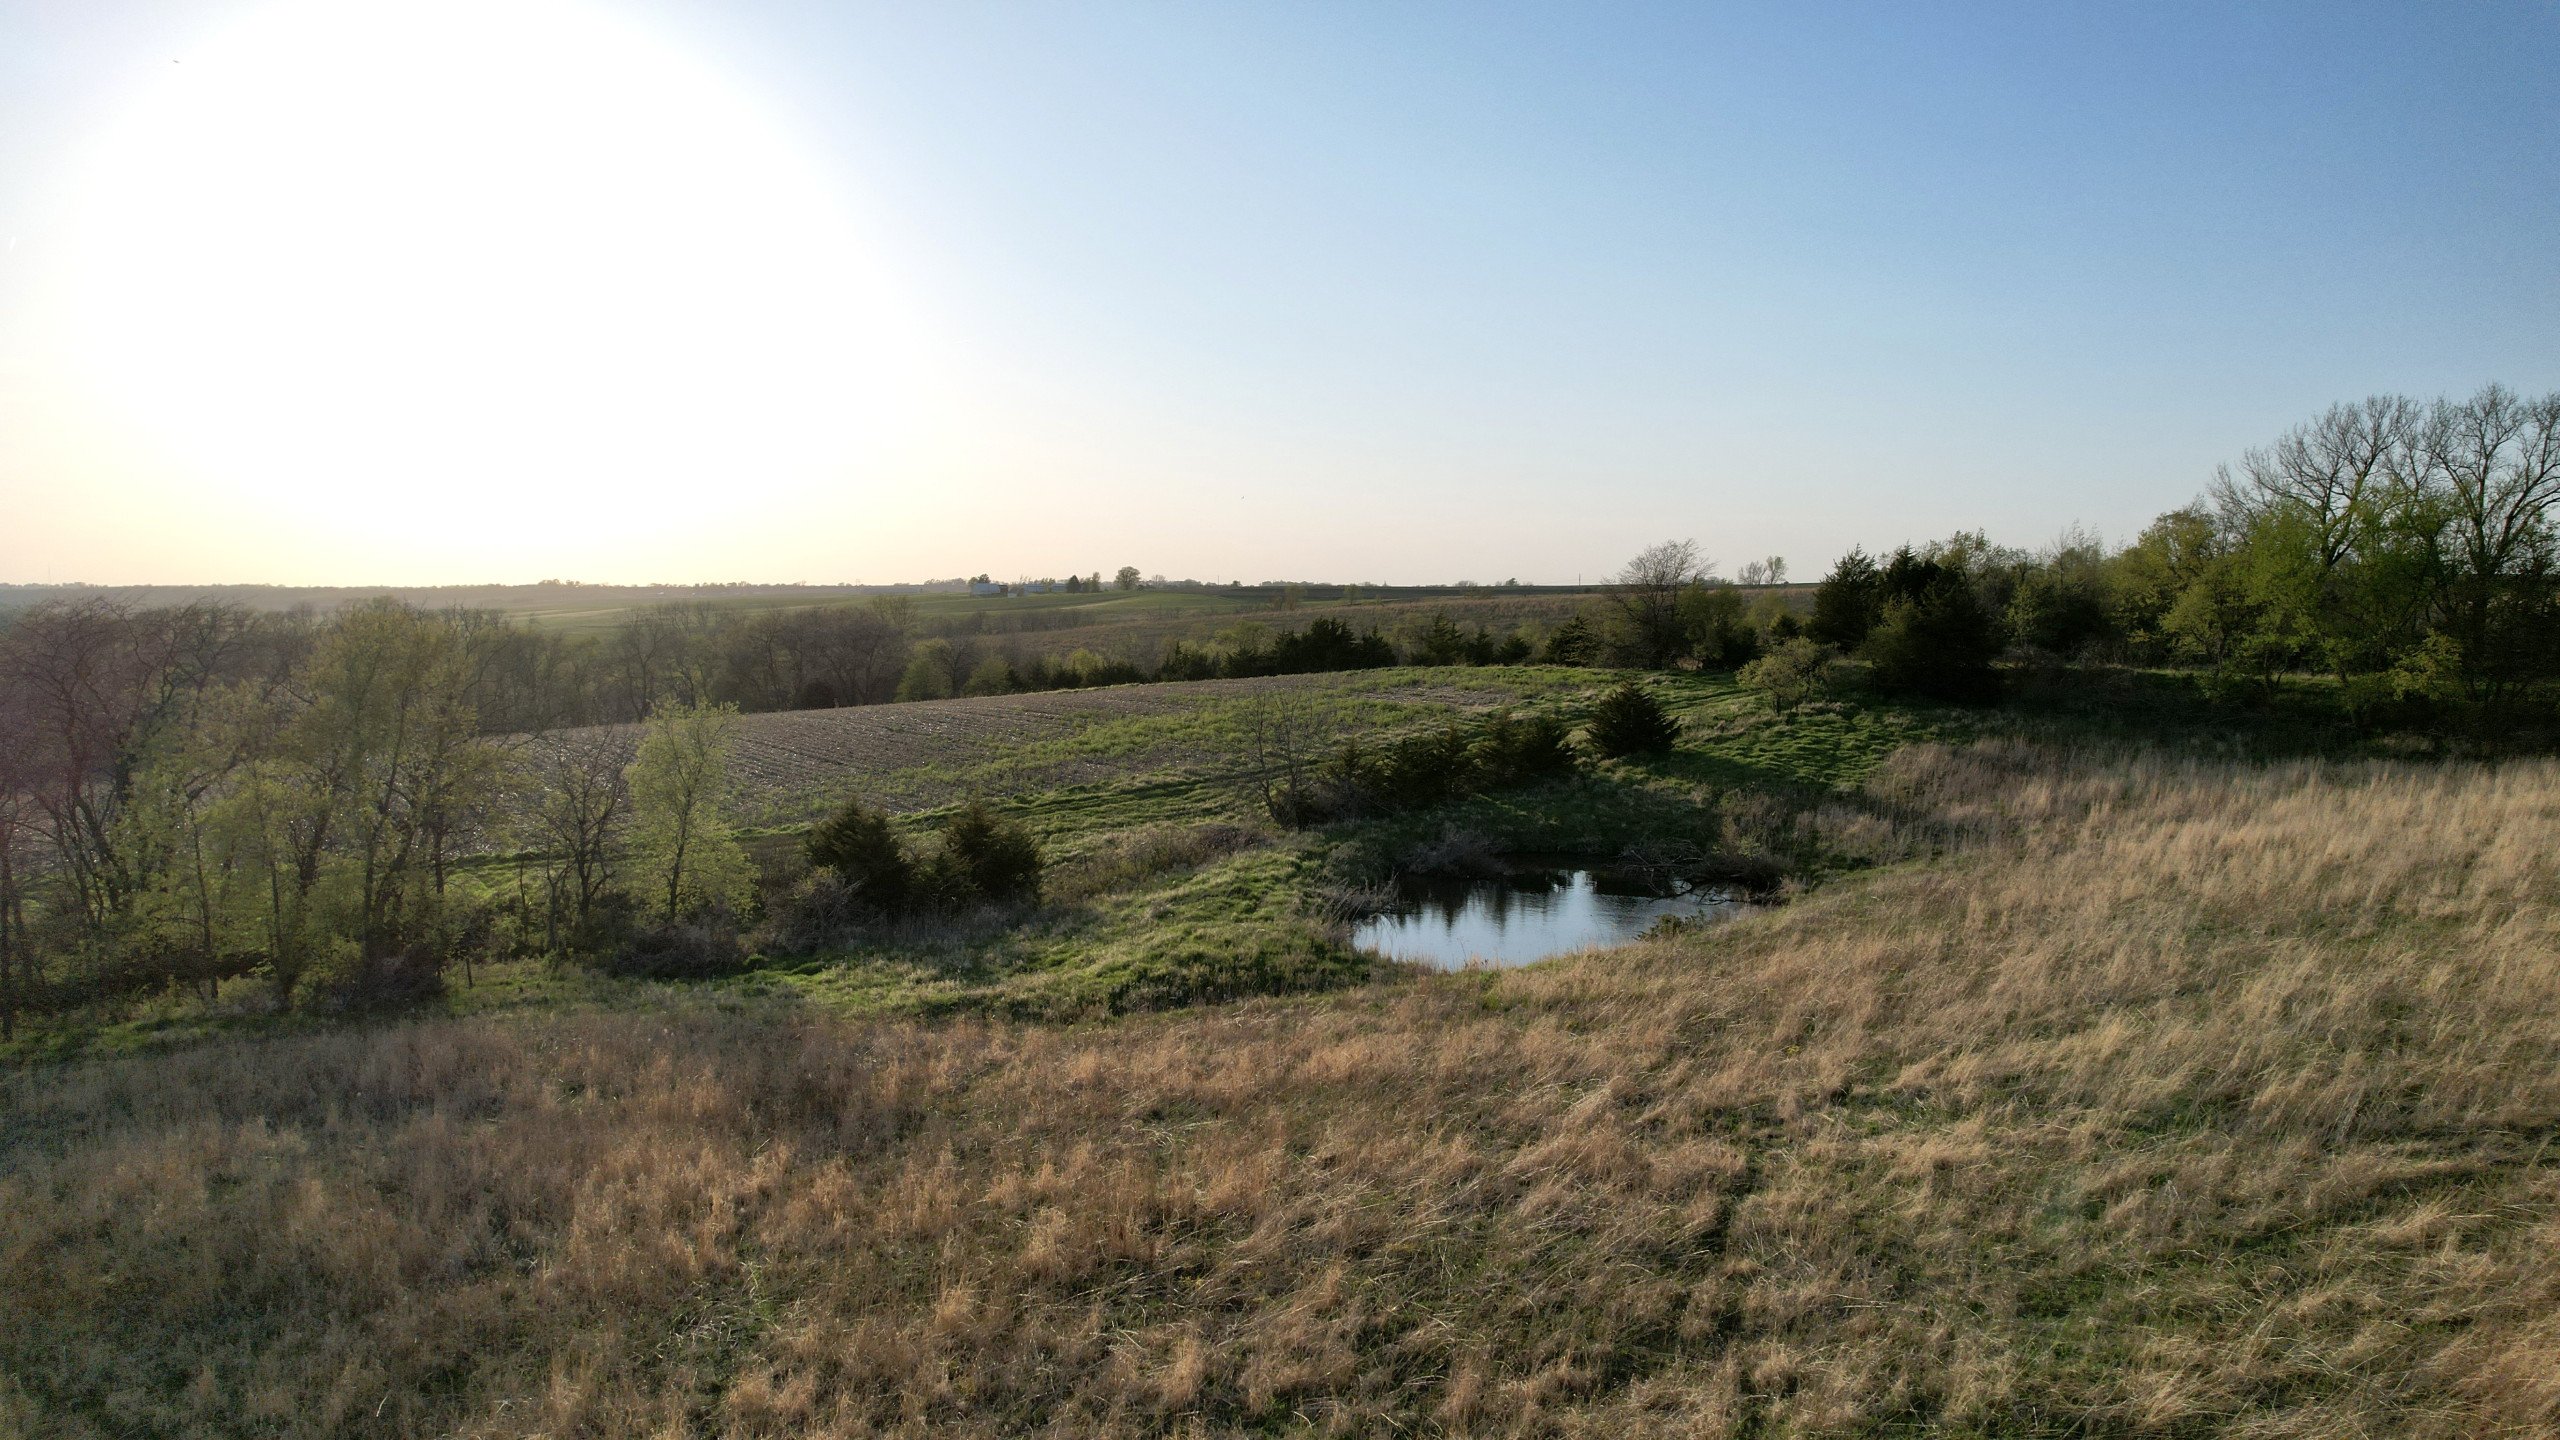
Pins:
x: 1141, y: 637
x: 2045, y: 1127
x: 1165, y: 738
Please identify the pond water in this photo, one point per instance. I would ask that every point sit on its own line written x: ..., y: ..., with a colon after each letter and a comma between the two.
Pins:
x: 1529, y: 915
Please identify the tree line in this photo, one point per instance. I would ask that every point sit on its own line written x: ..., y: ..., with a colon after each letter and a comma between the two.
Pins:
x: 193, y: 795
x: 2403, y: 551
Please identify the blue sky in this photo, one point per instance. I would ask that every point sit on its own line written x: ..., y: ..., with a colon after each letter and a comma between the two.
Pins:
x: 1411, y: 292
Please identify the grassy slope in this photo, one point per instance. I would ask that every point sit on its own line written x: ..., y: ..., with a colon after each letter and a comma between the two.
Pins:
x: 2173, y: 1099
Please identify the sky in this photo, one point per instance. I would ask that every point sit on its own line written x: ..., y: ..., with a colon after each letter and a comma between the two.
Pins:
x: 467, y: 291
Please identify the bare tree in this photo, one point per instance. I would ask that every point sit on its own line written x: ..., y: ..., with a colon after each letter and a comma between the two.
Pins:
x: 1283, y: 743
x: 17, y: 836
x: 581, y: 796
x: 2492, y: 463
x: 92, y: 680
x: 2331, y: 472
x: 1646, y: 596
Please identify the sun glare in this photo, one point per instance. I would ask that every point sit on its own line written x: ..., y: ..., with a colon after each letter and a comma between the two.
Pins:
x: 518, y: 251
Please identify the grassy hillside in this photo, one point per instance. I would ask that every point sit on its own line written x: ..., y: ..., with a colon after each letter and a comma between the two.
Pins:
x: 2172, y: 1099
x: 1168, y: 884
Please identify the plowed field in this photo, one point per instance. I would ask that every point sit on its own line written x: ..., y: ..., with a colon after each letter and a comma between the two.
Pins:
x: 790, y: 767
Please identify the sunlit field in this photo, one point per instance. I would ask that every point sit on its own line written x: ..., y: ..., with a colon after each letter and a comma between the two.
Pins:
x: 2174, y: 1098
x: 1112, y: 719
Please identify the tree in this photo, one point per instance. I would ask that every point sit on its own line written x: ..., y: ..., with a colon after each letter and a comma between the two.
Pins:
x: 858, y: 844
x: 1127, y: 579
x: 1714, y: 627
x: 2060, y: 602
x: 1933, y: 637
x: 928, y: 675
x: 1771, y: 571
x: 18, y: 837
x: 1628, y: 721
x: 1845, y: 603
x: 679, y: 788
x: 1645, y: 595
x: 391, y: 742
x: 2147, y: 579
x: 986, y: 856
x: 993, y: 675
x: 2495, y: 459
x: 93, y: 682
x: 2329, y: 472
x: 1574, y: 642
x: 581, y: 794
x: 1283, y: 740
x: 2340, y: 526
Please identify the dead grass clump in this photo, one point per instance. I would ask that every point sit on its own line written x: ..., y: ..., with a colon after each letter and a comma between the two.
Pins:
x: 1132, y: 857
x: 2184, y: 1100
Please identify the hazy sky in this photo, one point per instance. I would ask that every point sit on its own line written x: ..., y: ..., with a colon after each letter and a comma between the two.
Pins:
x: 467, y: 290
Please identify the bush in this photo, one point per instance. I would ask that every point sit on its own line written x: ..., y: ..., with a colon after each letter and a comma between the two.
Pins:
x: 1719, y: 632
x: 1630, y: 722
x: 1328, y: 644
x: 1412, y: 772
x: 1938, y: 646
x: 1793, y: 672
x: 1143, y: 854
x: 1844, y: 604
x: 1572, y: 643
x: 1419, y: 771
x: 691, y: 950
x: 2061, y: 609
x: 985, y: 856
x: 1512, y: 749
x: 407, y: 976
x: 860, y: 847
x: 820, y: 912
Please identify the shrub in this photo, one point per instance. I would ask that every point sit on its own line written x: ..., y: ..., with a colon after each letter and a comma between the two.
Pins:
x: 1719, y: 632
x: 1844, y: 604
x: 1183, y: 662
x: 992, y: 675
x: 1574, y: 642
x: 1140, y: 855
x: 1329, y: 644
x: 1440, y: 642
x: 1418, y: 771
x: 1629, y: 721
x: 1411, y: 772
x: 1938, y: 645
x: 860, y: 847
x: 406, y: 976
x: 1513, y: 749
x: 690, y: 950
x: 987, y: 856
x: 1793, y: 672
x: 928, y: 674
x: 821, y: 912
x: 2061, y: 609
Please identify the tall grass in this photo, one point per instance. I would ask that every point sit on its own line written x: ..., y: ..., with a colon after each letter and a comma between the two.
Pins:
x: 2178, y: 1099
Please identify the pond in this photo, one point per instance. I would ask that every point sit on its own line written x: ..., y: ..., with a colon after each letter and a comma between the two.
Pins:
x: 1529, y: 915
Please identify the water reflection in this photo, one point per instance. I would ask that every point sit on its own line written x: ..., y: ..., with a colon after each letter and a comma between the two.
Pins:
x: 1450, y: 924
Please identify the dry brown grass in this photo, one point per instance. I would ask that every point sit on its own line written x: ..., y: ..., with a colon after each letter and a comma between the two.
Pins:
x: 2181, y: 1100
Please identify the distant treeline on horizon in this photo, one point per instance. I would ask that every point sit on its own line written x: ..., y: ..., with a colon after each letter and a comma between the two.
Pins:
x: 547, y: 594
